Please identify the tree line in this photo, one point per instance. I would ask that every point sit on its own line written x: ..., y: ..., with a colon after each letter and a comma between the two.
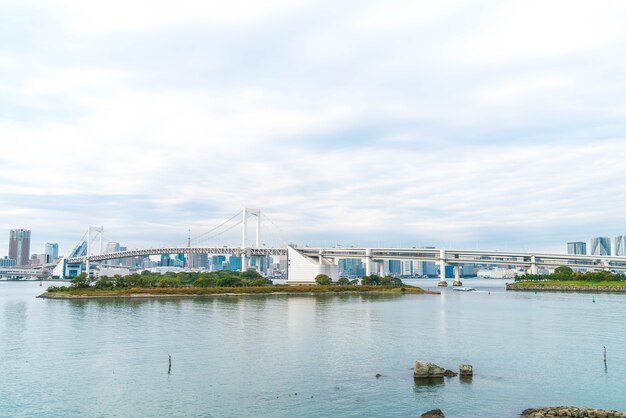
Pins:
x: 147, y: 279
x: 565, y: 273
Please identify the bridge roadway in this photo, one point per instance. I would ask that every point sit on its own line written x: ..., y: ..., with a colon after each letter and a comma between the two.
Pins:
x: 376, y: 255
x: 469, y: 257
x: 248, y: 252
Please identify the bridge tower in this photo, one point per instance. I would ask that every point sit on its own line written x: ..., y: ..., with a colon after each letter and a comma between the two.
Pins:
x: 93, y: 233
x: 244, y: 253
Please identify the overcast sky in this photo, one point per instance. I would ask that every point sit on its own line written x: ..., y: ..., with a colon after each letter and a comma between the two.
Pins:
x: 493, y: 125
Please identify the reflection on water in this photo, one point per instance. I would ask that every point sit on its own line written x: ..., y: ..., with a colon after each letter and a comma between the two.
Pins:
x: 308, y: 355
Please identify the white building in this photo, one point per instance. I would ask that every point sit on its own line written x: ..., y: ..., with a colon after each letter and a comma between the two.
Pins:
x: 303, y: 269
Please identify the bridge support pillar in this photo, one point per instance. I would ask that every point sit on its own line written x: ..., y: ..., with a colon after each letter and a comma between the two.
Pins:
x: 442, y: 269
x: 606, y: 265
x: 368, y: 262
x: 457, y: 276
x: 533, y: 265
x: 381, y: 268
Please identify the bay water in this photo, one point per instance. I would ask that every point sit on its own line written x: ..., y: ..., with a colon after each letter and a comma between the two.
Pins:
x: 309, y: 356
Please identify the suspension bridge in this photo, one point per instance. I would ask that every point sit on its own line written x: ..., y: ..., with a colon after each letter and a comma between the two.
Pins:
x: 304, y: 263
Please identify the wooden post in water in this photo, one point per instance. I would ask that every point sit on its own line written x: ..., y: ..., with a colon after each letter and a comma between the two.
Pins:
x: 169, y: 369
x: 604, y: 355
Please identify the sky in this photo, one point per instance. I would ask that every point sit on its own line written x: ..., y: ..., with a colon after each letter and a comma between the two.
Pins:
x: 461, y: 124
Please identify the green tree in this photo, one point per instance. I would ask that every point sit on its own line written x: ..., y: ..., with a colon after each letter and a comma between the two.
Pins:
x: 323, y: 279
x: 81, y: 281
x: 104, y: 282
x: 563, y: 273
x: 168, y: 282
x: 390, y: 281
x: 343, y: 281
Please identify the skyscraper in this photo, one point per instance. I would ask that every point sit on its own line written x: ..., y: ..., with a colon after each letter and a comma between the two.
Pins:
x: 234, y: 262
x: 600, y: 246
x: 199, y: 260
x: 52, y: 251
x: 576, y: 248
x: 19, y: 246
x: 620, y: 245
x: 113, y: 247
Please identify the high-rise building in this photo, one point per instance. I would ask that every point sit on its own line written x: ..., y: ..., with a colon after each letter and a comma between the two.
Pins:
x: 351, y: 267
x: 620, y: 245
x: 600, y: 246
x: 218, y: 262
x: 395, y: 267
x: 19, y: 246
x: 577, y: 247
x: 165, y: 260
x: 113, y: 247
x: 234, y: 263
x: 52, y: 251
x: 180, y: 260
x: 199, y: 261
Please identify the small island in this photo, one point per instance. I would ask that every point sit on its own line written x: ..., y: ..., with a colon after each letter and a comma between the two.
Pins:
x: 224, y: 282
x: 564, y: 279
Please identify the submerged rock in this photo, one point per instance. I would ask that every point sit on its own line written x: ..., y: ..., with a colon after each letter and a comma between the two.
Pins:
x: 435, y: 413
x: 424, y: 370
x: 450, y: 373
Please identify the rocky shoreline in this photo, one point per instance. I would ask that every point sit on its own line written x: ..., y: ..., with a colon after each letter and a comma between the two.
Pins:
x: 571, y: 411
x: 530, y: 286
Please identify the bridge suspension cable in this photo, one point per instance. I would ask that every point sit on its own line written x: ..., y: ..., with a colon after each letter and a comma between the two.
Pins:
x: 279, y: 229
x: 217, y: 227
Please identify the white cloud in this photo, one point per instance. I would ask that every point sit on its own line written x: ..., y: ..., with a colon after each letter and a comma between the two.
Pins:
x: 400, y: 122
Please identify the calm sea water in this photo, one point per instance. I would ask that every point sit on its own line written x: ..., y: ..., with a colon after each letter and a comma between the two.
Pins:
x: 308, y: 356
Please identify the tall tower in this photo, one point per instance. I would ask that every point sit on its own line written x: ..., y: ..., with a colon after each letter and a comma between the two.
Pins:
x: 244, y: 232
x: 600, y: 246
x: 19, y: 246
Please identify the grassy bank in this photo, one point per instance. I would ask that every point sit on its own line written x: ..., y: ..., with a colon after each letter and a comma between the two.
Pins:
x: 569, y: 286
x: 200, y: 291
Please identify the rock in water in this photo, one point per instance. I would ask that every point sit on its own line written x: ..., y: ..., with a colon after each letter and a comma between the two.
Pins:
x: 424, y: 370
x: 466, y: 370
x: 435, y: 413
x: 450, y: 373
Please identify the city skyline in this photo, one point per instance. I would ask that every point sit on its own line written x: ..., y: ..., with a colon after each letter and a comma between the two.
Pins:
x: 440, y: 124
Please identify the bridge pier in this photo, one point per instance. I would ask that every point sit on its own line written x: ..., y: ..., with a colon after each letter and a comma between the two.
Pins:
x: 442, y: 269
x: 457, y: 276
x: 368, y: 261
x: 533, y: 265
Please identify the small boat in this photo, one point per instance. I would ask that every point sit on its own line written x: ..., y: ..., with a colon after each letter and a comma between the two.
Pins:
x: 463, y: 289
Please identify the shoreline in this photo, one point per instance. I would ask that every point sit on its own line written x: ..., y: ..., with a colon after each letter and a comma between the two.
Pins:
x: 551, y: 286
x: 227, y: 291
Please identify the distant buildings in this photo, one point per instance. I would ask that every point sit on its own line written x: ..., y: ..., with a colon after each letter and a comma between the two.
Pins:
x: 578, y: 247
x: 52, y: 251
x: 38, y: 259
x: 600, y: 246
x: 234, y: 262
x: 620, y: 245
x: 7, y: 262
x: 19, y: 246
x: 199, y: 261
